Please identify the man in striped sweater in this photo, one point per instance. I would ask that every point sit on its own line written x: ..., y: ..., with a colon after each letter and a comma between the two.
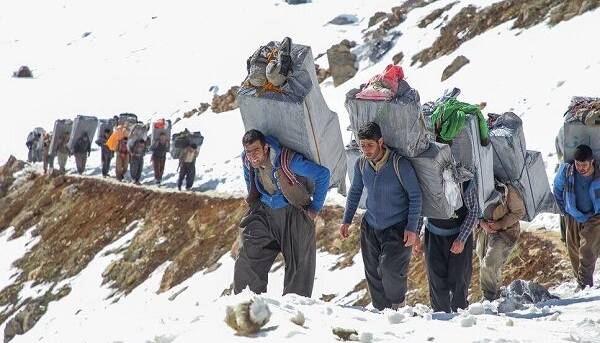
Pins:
x: 390, y: 226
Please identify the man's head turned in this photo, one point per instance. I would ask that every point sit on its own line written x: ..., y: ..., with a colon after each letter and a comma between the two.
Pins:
x: 584, y: 160
x: 255, y: 147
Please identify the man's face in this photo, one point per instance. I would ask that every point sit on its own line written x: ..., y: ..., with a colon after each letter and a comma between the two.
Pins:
x: 585, y: 168
x: 257, y: 153
x: 371, y: 148
x: 163, y: 138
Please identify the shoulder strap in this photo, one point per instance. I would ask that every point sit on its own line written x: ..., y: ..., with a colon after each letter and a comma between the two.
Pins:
x: 286, y: 158
x: 396, y: 160
x: 361, y: 165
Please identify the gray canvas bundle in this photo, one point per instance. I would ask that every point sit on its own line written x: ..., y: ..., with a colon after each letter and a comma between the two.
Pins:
x: 127, y: 118
x: 103, y: 125
x: 535, y: 187
x: 190, y: 138
x: 61, y: 127
x: 430, y: 166
x: 82, y: 125
x: 299, y: 117
x: 401, y: 121
x: 36, y: 137
x: 139, y: 131
x: 468, y: 152
x: 352, y: 155
x: 156, y: 131
x: 574, y: 133
x: 508, y: 143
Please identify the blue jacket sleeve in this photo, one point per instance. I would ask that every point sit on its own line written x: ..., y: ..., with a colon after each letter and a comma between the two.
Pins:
x: 413, y: 190
x: 317, y: 173
x: 356, y: 190
x: 246, y: 174
x: 559, y: 187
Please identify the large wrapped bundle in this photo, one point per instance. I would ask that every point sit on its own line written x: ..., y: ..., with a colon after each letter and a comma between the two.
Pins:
x: 118, y: 133
x: 183, y: 139
x: 158, y: 127
x: 508, y: 143
x: 62, y: 127
x: 535, y: 187
x: 105, y: 124
x: 352, y: 155
x: 36, y: 139
x: 82, y: 125
x: 435, y: 169
x: 581, y: 126
x: 298, y: 116
x: 470, y: 153
x: 139, y: 131
x: 401, y: 121
x: 128, y: 119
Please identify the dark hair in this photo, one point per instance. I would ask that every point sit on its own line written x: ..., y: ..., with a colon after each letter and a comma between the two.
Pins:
x: 193, y: 145
x: 252, y: 136
x: 369, y: 130
x: 583, y: 153
x: 106, y: 130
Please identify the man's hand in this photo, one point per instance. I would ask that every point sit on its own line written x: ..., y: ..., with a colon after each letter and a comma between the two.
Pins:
x: 409, y: 238
x: 494, y: 225
x: 488, y: 226
x: 457, y: 247
x: 345, y: 231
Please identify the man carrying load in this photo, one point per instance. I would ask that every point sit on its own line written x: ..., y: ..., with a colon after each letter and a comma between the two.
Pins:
x: 283, y: 207
x: 390, y: 226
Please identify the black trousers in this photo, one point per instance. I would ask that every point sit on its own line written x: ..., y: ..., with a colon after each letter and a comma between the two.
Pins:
x: 449, y: 274
x: 187, y: 171
x: 107, y: 156
x: 386, y: 261
x: 136, y: 164
x: 265, y: 233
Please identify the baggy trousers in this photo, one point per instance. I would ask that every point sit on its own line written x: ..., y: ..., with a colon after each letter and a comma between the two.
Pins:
x: 449, y: 275
x: 266, y: 232
x: 80, y: 160
x: 386, y: 261
x: 493, y: 251
x: 187, y: 171
x: 135, y: 168
x: 583, y: 246
x: 159, y: 167
x: 107, y: 156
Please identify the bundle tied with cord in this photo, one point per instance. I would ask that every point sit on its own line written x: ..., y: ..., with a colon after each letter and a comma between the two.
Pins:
x: 281, y: 97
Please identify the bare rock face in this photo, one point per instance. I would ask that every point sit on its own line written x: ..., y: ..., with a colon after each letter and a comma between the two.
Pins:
x: 23, y: 72
x: 398, y: 57
x: 226, y: 102
x: 322, y: 74
x: 433, y: 16
x: 377, y: 18
x: 342, y: 62
x: 197, y: 111
x: 455, y: 66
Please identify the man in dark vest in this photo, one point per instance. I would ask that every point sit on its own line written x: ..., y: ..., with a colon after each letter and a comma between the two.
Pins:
x: 449, y: 253
x: 285, y: 193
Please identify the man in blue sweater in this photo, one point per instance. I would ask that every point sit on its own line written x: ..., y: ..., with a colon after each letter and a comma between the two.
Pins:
x: 577, y: 192
x: 389, y: 227
x: 285, y: 193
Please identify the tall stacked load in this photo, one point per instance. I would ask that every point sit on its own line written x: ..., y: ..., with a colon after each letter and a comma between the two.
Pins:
x: 82, y: 125
x: 129, y: 119
x: 389, y: 101
x: 462, y: 125
x: 158, y: 127
x: 581, y: 126
x: 61, y: 127
x: 105, y: 124
x: 396, y: 108
x: 352, y: 155
x: 294, y: 110
x: 36, y: 140
x: 139, y: 131
x: 514, y: 164
x: 184, y: 139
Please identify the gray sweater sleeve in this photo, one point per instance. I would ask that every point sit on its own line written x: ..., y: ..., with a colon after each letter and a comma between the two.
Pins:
x: 413, y: 190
